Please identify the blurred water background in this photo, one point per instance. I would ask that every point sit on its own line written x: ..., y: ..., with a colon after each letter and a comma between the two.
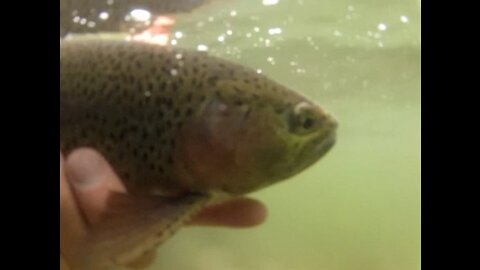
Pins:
x: 359, y: 207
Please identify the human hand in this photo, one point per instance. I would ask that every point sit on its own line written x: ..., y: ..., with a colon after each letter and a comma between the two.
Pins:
x: 84, y: 193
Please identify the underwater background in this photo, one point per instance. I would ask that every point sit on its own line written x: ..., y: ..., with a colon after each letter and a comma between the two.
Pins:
x: 359, y: 207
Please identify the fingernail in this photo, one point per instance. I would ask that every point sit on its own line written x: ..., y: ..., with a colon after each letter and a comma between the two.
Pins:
x: 85, y: 168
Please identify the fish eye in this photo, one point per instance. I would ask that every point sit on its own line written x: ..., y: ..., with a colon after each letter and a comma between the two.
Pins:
x: 307, y: 122
x: 301, y: 120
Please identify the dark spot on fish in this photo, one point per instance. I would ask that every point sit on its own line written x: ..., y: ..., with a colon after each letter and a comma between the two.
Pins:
x: 150, y: 118
x: 128, y: 144
x: 144, y: 135
x: 169, y: 103
x: 123, y: 77
x: 247, y: 113
x: 83, y: 133
x: 279, y: 110
x: 237, y: 90
x: 158, y: 100
x: 133, y: 129
x: 163, y: 86
x: 189, y: 97
x: 176, y: 113
x: 158, y: 132
x: 174, y: 87
x: 121, y: 135
x: 166, y: 71
x: 140, y: 87
x: 135, y: 152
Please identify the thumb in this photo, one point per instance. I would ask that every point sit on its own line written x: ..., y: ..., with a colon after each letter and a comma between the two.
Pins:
x: 92, y: 179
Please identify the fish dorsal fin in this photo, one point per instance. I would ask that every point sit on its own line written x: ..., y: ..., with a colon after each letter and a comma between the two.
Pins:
x: 132, y: 227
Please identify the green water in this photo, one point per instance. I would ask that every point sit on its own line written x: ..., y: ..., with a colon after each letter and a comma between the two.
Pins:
x: 358, y: 208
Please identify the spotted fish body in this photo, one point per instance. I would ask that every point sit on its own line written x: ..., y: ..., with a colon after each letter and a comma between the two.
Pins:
x: 174, y: 122
x: 138, y: 104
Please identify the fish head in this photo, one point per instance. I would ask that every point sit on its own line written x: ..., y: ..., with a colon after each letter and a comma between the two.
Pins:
x: 251, y: 133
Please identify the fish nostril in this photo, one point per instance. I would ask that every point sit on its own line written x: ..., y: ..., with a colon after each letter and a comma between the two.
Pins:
x: 327, y: 120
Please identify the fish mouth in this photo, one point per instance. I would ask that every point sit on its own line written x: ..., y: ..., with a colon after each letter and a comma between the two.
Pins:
x: 325, y: 143
x: 314, y: 151
x: 320, y: 145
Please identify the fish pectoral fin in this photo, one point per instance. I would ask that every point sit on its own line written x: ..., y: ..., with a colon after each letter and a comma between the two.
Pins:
x: 143, y: 261
x: 133, y: 226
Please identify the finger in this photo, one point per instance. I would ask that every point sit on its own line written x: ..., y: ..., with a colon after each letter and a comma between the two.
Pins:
x: 63, y: 263
x: 237, y: 213
x: 92, y: 179
x: 72, y: 228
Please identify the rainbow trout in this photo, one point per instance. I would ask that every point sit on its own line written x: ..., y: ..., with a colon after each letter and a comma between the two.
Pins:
x: 182, y: 129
